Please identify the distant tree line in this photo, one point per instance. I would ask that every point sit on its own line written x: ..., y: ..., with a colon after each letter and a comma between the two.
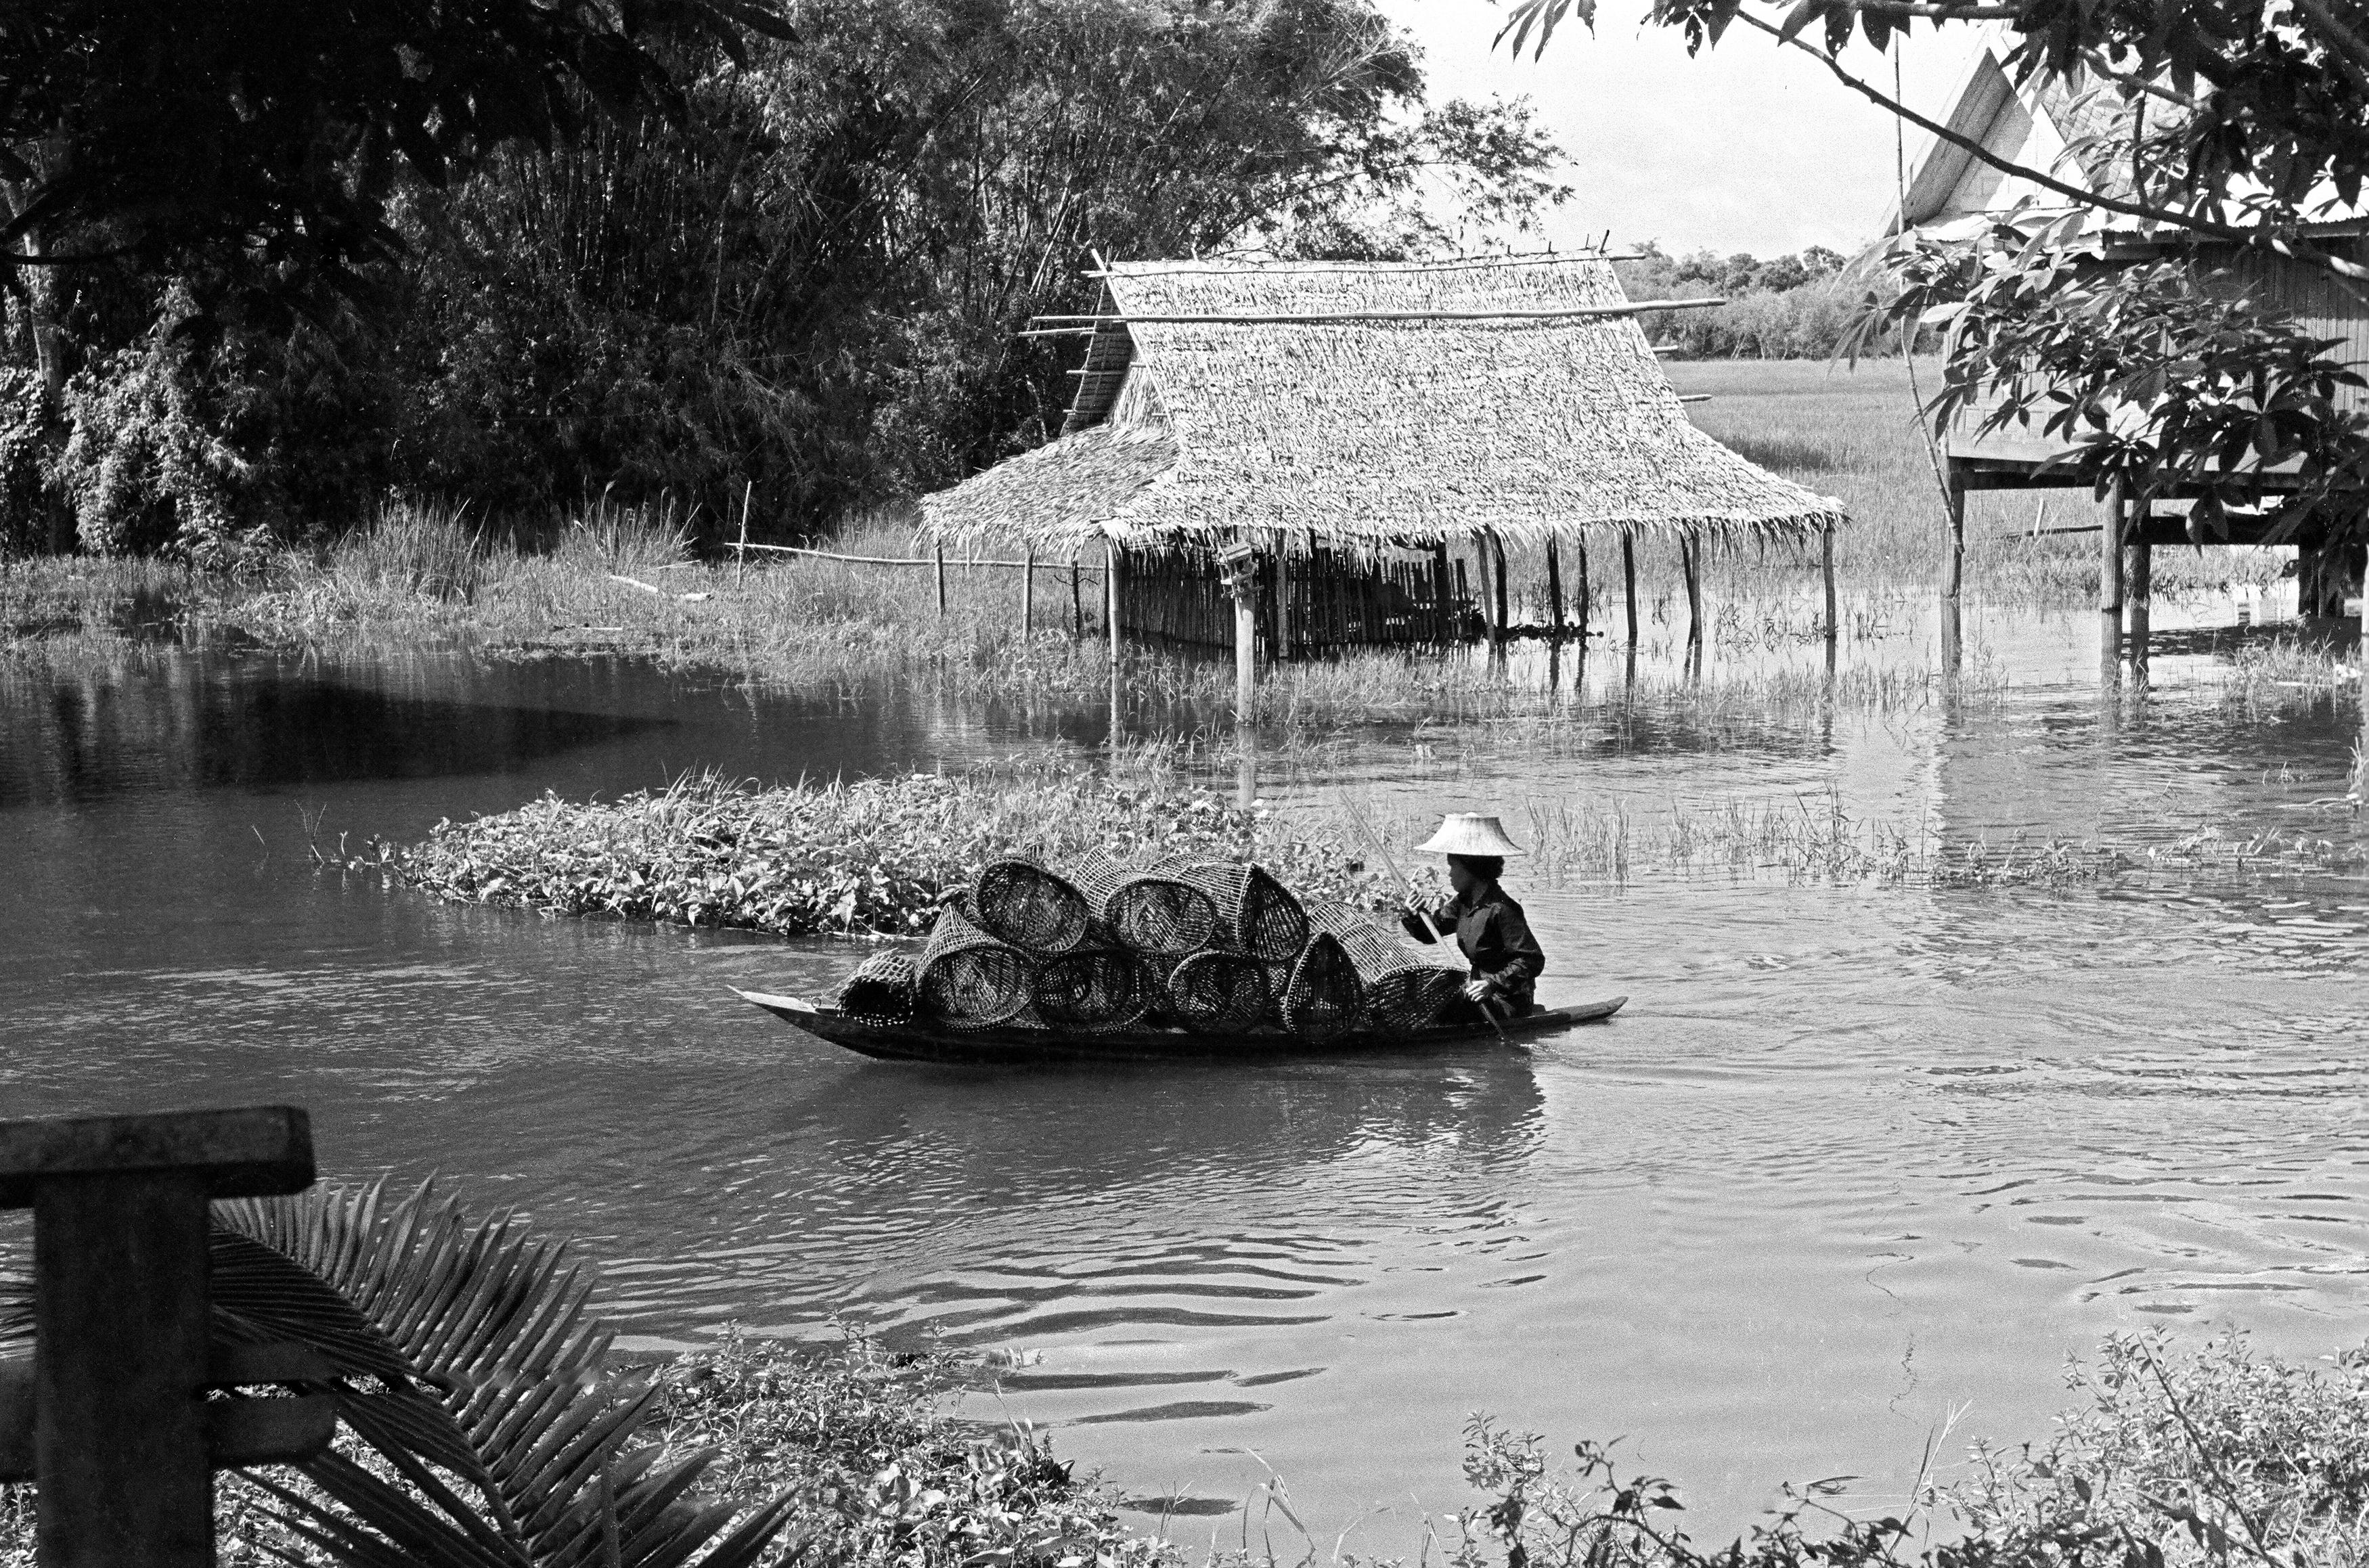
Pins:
x: 1788, y: 307
x: 265, y: 261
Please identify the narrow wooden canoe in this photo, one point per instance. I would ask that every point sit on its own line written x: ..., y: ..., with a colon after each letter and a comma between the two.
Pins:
x: 929, y: 1042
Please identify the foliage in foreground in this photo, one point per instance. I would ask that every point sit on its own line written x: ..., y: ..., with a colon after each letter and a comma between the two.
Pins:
x: 2217, y: 1457
x: 874, y: 857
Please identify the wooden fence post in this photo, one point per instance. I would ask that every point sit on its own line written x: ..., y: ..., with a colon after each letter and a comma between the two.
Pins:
x: 1028, y: 593
x: 111, y: 1422
x: 938, y: 556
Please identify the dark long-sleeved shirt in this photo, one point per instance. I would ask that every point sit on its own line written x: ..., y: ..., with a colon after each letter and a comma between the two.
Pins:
x: 1496, y: 940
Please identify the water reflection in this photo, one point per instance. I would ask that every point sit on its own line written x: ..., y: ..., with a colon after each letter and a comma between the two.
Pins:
x: 1853, y: 1155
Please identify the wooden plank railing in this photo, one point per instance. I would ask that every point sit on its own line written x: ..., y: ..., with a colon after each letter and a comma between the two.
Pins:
x: 111, y: 1416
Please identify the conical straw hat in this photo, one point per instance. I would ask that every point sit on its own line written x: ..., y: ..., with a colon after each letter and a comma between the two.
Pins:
x: 1470, y: 832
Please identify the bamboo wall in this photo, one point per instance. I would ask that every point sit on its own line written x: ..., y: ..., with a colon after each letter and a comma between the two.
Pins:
x: 1329, y: 601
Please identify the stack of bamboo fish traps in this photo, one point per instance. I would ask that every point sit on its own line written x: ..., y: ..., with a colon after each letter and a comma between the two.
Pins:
x: 1213, y: 946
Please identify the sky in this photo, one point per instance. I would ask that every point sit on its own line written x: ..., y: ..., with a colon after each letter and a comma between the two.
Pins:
x: 1746, y: 147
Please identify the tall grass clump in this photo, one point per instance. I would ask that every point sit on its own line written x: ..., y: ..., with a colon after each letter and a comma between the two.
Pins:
x: 411, y: 549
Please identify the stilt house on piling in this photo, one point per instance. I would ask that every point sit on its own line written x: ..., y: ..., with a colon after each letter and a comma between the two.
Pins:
x: 2082, y: 138
x: 1361, y: 426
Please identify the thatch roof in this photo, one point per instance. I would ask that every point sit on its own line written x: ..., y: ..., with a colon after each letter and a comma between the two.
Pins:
x: 1364, y: 433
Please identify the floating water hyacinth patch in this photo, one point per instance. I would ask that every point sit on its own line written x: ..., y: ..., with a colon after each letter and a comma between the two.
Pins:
x: 874, y: 858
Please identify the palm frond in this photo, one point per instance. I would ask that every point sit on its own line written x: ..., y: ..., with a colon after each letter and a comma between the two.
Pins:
x: 483, y: 1362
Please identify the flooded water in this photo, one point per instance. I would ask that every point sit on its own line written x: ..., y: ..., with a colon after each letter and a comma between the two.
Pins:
x: 1854, y: 1159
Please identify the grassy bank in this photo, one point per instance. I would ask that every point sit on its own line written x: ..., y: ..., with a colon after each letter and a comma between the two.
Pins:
x: 2168, y: 1457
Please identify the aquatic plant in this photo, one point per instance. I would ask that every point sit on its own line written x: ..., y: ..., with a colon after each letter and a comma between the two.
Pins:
x: 873, y: 857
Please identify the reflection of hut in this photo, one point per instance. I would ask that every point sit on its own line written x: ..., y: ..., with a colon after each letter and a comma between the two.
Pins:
x: 1350, y: 423
x: 2082, y: 138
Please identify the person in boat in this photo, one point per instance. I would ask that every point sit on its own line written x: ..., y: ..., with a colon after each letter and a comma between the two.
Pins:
x: 1490, y: 927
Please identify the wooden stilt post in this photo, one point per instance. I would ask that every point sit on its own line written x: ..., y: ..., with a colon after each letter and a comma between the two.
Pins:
x: 2109, y: 583
x: 1497, y: 549
x: 938, y: 555
x: 1826, y: 570
x: 1111, y: 619
x: 1282, y: 602
x: 1554, y: 589
x: 1585, y: 596
x: 1953, y: 570
x: 1077, y: 600
x: 1245, y: 656
x: 2142, y: 592
x: 1443, y: 602
x: 1686, y: 547
x: 1628, y: 581
x: 1027, y: 593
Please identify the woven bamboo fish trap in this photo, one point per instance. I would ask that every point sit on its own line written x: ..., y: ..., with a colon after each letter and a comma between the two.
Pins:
x: 1152, y: 912
x: 1215, y: 992
x: 884, y: 988
x: 969, y: 979
x: 1256, y: 914
x: 1406, y: 988
x: 1324, y: 997
x: 1035, y: 910
x: 1093, y: 988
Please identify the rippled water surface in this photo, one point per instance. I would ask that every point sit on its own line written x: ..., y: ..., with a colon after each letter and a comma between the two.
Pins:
x: 1851, y: 1158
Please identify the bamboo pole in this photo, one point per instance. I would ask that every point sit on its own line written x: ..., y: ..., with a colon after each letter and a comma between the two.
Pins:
x: 740, y: 569
x: 938, y: 556
x: 1554, y: 588
x: 1628, y: 581
x: 1027, y: 593
x: 1442, y: 602
x: 1077, y: 602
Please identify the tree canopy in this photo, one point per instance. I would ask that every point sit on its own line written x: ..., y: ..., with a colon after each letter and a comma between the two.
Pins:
x: 2107, y: 310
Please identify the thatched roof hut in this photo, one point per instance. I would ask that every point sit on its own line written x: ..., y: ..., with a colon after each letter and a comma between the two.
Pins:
x: 1358, y: 407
